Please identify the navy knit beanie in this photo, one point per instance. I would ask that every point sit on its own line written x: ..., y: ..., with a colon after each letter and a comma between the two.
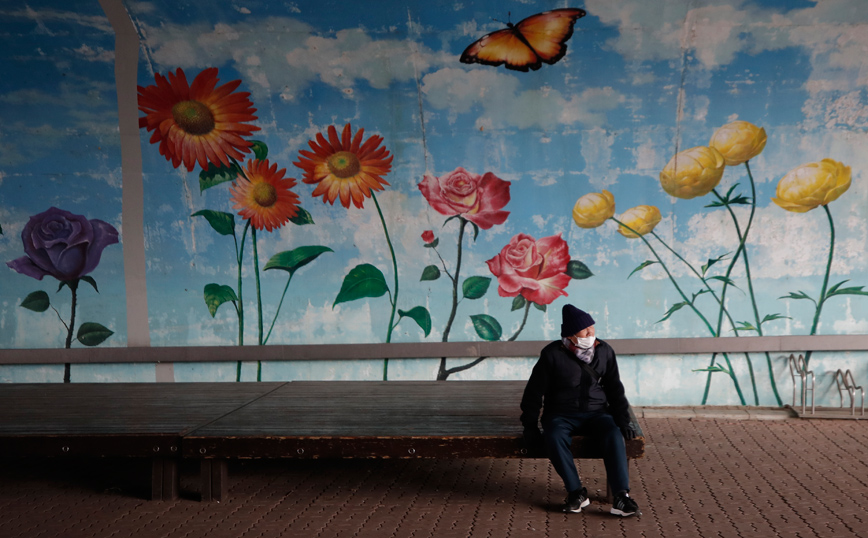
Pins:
x: 574, y: 320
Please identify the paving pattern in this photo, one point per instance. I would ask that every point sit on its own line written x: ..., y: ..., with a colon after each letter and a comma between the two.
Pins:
x: 699, y: 478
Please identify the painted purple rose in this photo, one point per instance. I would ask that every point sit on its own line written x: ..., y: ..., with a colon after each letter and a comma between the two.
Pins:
x: 63, y: 245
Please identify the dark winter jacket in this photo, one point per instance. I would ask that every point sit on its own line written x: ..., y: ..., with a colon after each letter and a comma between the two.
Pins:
x: 559, y: 386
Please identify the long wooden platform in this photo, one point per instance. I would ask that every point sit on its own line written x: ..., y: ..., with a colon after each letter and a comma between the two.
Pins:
x: 213, y: 422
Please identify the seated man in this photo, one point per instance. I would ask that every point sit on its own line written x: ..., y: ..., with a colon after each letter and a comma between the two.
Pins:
x: 577, y: 385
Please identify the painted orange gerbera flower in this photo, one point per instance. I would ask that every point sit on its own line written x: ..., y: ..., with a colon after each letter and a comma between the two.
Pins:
x: 345, y: 166
x: 197, y: 122
x: 264, y: 196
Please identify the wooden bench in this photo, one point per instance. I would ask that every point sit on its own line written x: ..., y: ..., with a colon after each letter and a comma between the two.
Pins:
x: 215, y: 422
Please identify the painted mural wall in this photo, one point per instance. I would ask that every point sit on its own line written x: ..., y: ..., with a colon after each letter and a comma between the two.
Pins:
x: 351, y: 172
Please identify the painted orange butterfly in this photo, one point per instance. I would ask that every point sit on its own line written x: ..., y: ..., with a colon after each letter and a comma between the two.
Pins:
x: 526, y: 45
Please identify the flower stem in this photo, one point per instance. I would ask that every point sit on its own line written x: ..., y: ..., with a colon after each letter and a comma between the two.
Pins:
x: 282, y: 297
x: 723, y: 309
x: 394, y: 298
x: 258, y: 298
x: 442, y: 373
x: 688, y: 302
x: 523, y: 321
x: 73, y: 287
x: 825, y: 280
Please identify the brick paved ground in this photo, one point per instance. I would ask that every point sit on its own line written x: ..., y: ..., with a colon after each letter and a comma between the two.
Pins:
x: 700, y: 477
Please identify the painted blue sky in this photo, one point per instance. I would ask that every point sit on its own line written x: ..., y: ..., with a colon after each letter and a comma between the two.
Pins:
x: 640, y: 81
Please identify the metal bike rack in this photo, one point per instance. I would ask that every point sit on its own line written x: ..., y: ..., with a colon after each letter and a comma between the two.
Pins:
x: 799, y: 366
x: 844, y: 381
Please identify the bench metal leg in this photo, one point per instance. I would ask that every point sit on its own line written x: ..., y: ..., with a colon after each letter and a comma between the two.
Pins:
x: 213, y: 479
x: 164, y: 479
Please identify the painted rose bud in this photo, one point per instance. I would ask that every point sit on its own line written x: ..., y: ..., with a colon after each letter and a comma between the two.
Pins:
x: 63, y: 245
x: 593, y: 209
x: 811, y: 185
x: 693, y: 172
x: 428, y: 236
x: 641, y: 219
x: 478, y: 198
x: 535, y: 269
x: 739, y: 142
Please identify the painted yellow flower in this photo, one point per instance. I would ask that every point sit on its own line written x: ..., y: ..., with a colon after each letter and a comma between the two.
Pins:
x: 739, y: 142
x: 693, y: 172
x: 641, y: 219
x: 264, y: 195
x: 593, y: 209
x: 811, y: 185
x: 346, y: 166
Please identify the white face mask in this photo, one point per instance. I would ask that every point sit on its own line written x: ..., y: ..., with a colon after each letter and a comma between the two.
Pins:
x: 585, y: 343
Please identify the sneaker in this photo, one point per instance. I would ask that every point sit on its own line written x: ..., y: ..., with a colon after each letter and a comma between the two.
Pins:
x: 577, y: 500
x: 624, y: 505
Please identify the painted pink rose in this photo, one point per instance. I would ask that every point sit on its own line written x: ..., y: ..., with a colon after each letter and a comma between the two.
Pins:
x: 478, y: 198
x: 534, y: 269
x: 428, y: 236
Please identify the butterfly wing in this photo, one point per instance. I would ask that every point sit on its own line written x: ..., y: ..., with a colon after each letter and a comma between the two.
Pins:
x: 502, y: 47
x: 536, y: 39
x: 547, y: 33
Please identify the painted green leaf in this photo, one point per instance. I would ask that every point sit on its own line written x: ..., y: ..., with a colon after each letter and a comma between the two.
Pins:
x: 518, y: 302
x: 475, y: 231
x: 432, y: 244
x: 772, y: 317
x: 445, y: 222
x: 475, y: 287
x: 838, y: 290
x: 90, y: 281
x: 712, y: 261
x: 675, y: 308
x: 92, y: 334
x: 540, y: 307
x: 641, y: 266
x: 295, y: 259
x: 215, y: 175
x: 712, y: 369
x: 726, y: 280
x: 430, y: 273
x: 420, y: 315
x: 223, y: 223
x: 798, y: 295
x: 260, y: 150
x: 216, y: 295
x: 362, y: 281
x: 302, y: 217
x: 697, y: 294
x: 578, y: 270
x: 745, y: 326
x: 487, y: 327
x: 36, y: 301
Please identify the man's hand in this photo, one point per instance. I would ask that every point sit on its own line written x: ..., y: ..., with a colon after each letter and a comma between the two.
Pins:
x: 628, y: 432
x: 533, y: 440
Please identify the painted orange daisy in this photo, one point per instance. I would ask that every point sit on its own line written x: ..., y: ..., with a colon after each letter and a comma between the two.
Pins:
x: 345, y: 166
x: 199, y: 122
x: 264, y: 196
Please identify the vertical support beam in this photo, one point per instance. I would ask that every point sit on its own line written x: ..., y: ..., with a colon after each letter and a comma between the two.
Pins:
x: 213, y: 479
x: 164, y: 479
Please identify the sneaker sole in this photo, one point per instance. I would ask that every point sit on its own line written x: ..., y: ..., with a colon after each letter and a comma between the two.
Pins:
x: 621, y: 513
x: 584, y: 504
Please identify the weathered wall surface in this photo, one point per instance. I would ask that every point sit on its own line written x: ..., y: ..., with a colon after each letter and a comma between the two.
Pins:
x: 333, y: 172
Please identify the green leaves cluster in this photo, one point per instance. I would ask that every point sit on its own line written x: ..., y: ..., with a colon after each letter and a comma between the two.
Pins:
x: 89, y: 333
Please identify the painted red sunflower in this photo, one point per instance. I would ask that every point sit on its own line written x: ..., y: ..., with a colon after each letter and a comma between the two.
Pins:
x: 345, y: 166
x: 197, y: 122
x: 264, y: 196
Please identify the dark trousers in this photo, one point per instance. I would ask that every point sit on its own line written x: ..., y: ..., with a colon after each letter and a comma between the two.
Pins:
x: 600, y: 428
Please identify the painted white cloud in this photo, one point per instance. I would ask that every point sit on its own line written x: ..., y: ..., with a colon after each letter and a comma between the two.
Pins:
x: 282, y: 55
x: 834, y: 34
x: 503, y: 105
